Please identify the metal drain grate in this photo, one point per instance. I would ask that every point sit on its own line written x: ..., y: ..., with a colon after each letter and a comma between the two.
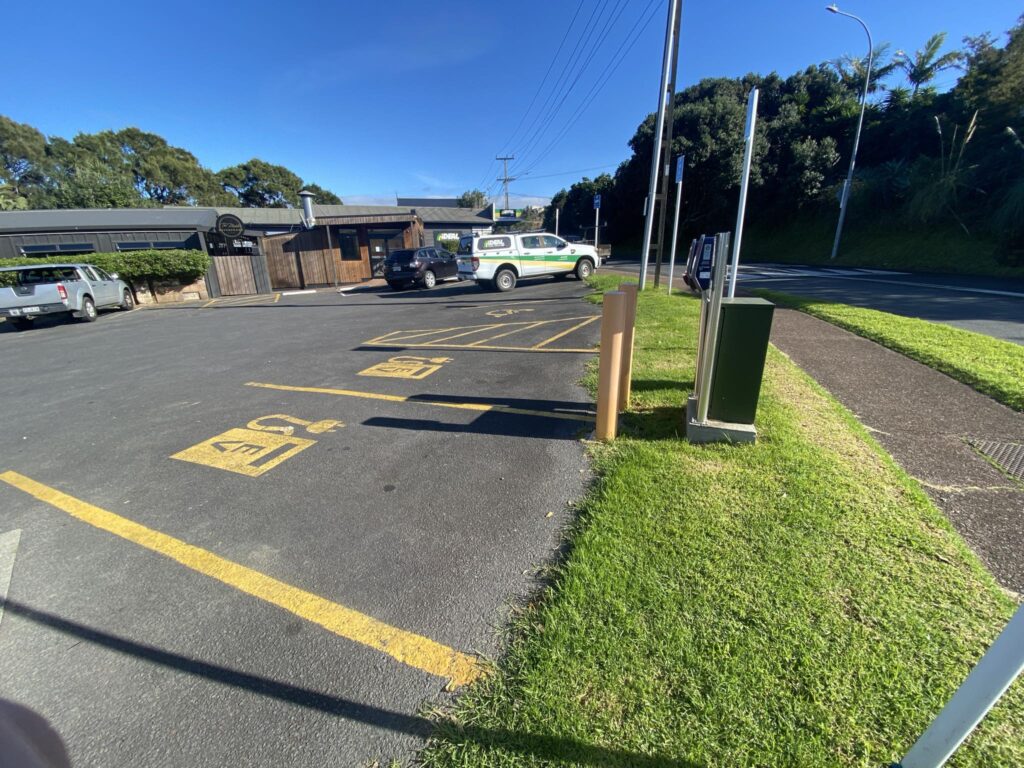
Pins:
x: 1009, y: 456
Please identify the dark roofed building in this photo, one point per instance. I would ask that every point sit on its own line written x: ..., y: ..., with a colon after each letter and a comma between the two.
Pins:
x: 429, y: 202
x: 276, y: 250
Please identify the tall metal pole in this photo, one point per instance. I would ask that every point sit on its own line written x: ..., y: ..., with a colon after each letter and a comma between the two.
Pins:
x: 505, y: 178
x: 556, y: 221
x: 675, y: 222
x: 748, y: 153
x: 666, y: 167
x: 597, y: 224
x: 984, y: 686
x: 652, y: 187
x: 860, y: 122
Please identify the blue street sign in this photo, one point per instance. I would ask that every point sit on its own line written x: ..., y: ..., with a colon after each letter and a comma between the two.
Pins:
x: 597, y: 202
x: 679, y: 168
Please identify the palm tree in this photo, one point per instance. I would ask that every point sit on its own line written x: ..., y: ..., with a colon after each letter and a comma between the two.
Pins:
x: 851, y: 69
x: 926, y: 63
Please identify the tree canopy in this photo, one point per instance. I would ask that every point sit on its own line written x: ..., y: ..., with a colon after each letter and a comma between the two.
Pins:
x: 472, y: 198
x: 925, y: 157
x: 131, y: 168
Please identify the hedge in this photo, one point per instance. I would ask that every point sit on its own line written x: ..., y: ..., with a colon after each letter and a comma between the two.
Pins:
x: 131, y: 266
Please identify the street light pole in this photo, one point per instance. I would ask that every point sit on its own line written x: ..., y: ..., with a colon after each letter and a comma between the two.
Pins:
x: 860, y: 122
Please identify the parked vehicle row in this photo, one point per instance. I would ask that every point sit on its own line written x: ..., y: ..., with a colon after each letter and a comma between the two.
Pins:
x: 498, y: 261
x: 425, y: 267
x: 78, y: 290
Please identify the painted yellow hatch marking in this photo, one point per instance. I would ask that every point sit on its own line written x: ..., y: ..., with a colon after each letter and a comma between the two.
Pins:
x: 424, y: 401
x: 407, y: 647
x: 566, y: 332
x: 483, y: 336
x: 406, y: 367
x: 259, y: 447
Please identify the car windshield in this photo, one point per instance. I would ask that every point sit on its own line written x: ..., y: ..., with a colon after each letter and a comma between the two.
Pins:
x: 401, y: 257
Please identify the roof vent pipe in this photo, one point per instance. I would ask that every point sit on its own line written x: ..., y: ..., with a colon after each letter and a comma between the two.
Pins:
x: 308, y: 219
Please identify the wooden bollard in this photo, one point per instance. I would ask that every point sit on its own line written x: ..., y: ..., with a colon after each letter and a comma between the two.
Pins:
x: 628, y: 333
x: 613, y: 315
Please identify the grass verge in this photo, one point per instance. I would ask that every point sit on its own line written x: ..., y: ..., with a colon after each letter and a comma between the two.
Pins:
x: 992, y: 366
x: 795, y: 602
x: 879, y: 241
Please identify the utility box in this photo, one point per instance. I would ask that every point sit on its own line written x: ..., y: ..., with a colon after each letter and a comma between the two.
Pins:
x: 742, y: 347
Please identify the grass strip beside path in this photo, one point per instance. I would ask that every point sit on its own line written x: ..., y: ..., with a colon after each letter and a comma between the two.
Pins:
x: 795, y: 602
x: 991, y: 366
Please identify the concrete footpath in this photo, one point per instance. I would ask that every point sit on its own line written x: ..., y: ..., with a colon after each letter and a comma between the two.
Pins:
x: 927, y: 422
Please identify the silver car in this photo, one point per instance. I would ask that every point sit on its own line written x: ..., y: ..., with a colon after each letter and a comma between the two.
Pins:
x: 79, y: 290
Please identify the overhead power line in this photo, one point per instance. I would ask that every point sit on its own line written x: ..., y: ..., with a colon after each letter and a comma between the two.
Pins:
x: 552, y: 107
x: 632, y: 37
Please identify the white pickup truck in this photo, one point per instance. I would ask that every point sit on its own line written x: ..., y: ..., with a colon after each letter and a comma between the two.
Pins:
x: 497, y: 261
x: 77, y: 289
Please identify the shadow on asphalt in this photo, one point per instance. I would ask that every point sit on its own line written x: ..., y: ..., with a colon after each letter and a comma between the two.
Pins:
x: 500, y: 424
x: 537, y: 745
x: 557, y: 406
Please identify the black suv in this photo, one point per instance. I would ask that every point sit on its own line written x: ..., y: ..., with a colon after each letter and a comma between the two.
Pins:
x: 419, y: 266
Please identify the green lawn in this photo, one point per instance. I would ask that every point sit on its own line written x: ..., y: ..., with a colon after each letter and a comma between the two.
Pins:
x: 871, y: 239
x: 795, y: 602
x: 991, y: 366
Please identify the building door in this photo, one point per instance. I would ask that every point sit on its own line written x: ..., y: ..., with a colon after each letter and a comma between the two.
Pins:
x: 383, y: 243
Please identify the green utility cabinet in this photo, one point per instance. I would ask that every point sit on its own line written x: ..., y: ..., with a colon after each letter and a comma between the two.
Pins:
x: 739, y: 359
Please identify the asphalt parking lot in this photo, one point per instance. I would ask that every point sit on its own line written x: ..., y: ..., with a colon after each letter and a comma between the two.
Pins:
x: 273, y: 530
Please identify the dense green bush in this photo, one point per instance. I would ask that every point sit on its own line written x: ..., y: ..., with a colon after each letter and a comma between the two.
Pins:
x: 133, y: 266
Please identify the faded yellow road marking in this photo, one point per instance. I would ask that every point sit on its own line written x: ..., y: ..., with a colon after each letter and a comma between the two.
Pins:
x: 409, y: 648
x: 418, y: 401
x: 506, y: 333
x: 245, y: 451
x: 574, y: 350
x: 489, y: 333
x: 406, y: 367
x: 566, y: 332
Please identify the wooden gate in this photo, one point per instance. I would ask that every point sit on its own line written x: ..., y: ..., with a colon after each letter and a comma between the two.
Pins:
x: 300, y: 260
x: 234, y: 275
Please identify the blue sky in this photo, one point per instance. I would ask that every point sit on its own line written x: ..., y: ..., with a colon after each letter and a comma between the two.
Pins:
x: 370, y: 99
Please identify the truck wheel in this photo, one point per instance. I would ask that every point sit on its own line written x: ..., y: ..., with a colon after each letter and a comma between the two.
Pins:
x: 88, y: 314
x: 429, y: 279
x: 127, y: 302
x: 22, y: 323
x: 505, y: 280
x: 584, y: 269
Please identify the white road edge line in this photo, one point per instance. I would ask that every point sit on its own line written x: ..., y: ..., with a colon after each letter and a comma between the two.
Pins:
x: 903, y: 283
x: 8, y: 549
x: 296, y: 293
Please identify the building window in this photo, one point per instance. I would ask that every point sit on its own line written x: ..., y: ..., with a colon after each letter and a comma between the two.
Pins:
x: 77, y: 248
x: 135, y: 245
x: 348, y: 244
x: 38, y: 250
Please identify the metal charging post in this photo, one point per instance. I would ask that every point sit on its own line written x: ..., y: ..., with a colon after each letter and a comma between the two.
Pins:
x: 983, y: 687
x: 711, y: 327
x: 748, y: 153
x: 675, y: 222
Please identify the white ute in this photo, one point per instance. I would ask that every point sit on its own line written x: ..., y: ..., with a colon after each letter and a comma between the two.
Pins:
x: 498, y: 261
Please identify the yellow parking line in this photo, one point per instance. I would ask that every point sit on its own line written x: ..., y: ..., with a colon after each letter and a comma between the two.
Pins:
x: 277, y: 297
x: 409, y: 648
x: 507, y: 333
x: 418, y: 401
x: 470, y: 332
x: 211, y: 301
x: 396, y: 344
x: 566, y: 332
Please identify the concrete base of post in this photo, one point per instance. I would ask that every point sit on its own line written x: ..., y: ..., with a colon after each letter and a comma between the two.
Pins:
x: 715, y: 431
